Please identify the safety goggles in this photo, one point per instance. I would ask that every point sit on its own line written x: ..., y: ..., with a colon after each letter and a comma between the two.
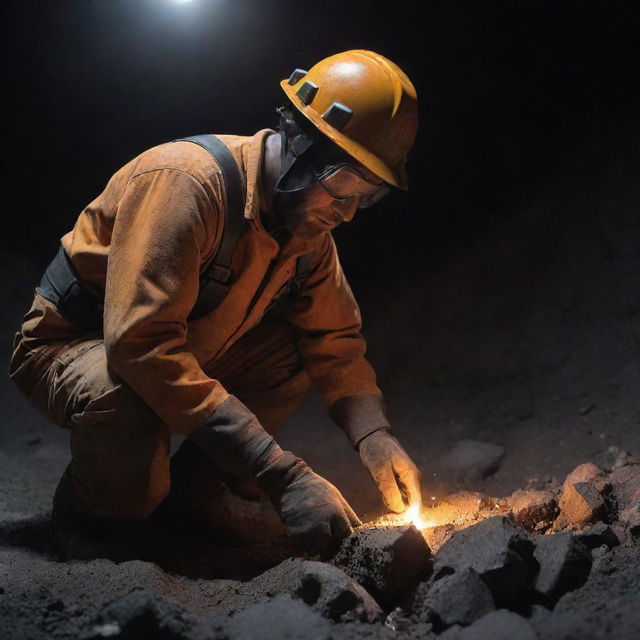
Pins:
x: 344, y: 181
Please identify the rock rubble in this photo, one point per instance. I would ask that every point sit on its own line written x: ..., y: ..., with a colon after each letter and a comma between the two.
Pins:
x: 516, y: 567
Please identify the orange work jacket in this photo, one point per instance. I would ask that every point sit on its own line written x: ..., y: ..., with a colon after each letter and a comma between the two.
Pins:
x: 143, y: 243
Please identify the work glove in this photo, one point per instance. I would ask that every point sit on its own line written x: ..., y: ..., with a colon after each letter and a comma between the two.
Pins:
x: 313, y: 511
x: 391, y: 468
x: 363, y: 419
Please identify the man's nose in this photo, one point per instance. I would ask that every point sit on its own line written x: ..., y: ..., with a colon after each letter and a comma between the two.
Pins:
x: 348, y: 209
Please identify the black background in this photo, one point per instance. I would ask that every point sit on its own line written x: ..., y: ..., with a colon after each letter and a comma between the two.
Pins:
x: 508, y: 92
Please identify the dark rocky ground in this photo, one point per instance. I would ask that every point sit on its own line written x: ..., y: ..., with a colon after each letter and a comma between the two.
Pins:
x: 528, y: 342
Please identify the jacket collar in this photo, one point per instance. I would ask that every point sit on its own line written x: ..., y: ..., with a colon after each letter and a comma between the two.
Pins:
x: 253, y: 159
x: 252, y: 154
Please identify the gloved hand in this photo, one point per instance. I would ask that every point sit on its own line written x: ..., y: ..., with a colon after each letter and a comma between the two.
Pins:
x: 314, y: 512
x: 311, y: 508
x: 391, y: 468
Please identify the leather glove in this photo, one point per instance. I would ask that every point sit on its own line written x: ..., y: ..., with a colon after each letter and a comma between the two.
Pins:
x: 312, y: 509
x: 391, y: 468
x: 314, y: 512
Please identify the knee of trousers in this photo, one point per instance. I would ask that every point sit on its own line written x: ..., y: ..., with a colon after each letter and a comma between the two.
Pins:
x: 107, y: 491
x: 120, y: 456
x: 123, y: 503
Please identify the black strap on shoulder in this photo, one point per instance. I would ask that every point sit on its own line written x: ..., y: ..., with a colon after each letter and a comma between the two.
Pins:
x: 217, y: 279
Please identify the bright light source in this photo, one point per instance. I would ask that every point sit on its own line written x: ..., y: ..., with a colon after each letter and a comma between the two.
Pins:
x: 413, y: 516
x: 182, y: 1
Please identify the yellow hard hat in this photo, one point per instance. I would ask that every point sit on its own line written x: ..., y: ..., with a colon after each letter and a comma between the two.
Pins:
x: 365, y: 104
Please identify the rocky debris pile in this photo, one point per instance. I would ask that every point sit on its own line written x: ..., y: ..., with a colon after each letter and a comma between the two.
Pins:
x: 527, y: 566
x: 495, y: 565
x: 525, y: 560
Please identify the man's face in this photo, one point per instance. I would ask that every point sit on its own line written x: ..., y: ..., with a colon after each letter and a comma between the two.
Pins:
x: 311, y: 212
x: 332, y: 198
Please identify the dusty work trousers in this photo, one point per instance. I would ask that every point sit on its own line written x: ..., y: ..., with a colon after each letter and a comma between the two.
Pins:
x: 120, y: 465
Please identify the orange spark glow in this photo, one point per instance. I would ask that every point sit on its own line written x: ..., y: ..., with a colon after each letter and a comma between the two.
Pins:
x: 413, y: 515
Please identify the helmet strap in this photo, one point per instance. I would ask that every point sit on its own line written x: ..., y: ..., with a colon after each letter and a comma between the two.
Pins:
x: 293, y: 162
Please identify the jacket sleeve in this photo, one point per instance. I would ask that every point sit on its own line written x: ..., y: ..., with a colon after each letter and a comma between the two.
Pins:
x: 160, y: 231
x: 333, y: 348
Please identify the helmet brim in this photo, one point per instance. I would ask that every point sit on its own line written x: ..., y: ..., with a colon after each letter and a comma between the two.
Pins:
x: 357, y: 151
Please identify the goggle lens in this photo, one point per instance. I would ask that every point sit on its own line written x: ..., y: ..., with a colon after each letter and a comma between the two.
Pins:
x: 345, y: 182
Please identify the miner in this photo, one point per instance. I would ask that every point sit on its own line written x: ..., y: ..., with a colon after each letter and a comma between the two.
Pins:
x: 199, y: 295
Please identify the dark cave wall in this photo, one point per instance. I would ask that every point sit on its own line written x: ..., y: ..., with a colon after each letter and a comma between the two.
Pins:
x: 508, y: 93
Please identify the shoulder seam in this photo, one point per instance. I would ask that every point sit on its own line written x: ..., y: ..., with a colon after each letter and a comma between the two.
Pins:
x: 170, y: 168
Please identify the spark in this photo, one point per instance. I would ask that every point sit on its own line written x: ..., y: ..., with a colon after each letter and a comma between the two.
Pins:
x: 413, y: 516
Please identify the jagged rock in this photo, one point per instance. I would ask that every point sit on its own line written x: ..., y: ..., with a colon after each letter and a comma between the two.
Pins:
x: 471, y: 460
x: 139, y: 615
x: 497, y: 625
x: 498, y: 551
x: 587, y: 472
x: 387, y: 561
x: 597, y: 535
x: 324, y: 587
x: 581, y: 502
x: 282, y: 618
x: 532, y: 508
x: 331, y: 591
x: 605, y: 608
x: 625, y: 486
x: 460, y: 598
x: 564, y: 562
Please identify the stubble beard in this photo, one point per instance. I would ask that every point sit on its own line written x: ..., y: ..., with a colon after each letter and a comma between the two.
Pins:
x: 302, y: 224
